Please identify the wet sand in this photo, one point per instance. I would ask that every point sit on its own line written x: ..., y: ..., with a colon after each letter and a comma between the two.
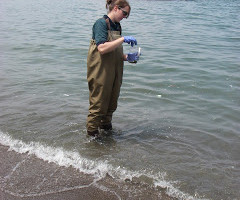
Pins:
x: 26, y: 177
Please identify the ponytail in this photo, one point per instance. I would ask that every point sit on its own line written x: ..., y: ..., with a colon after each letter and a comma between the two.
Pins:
x: 109, y: 2
x: 121, y: 3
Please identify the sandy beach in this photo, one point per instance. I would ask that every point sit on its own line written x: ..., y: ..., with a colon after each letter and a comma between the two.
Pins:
x: 26, y: 177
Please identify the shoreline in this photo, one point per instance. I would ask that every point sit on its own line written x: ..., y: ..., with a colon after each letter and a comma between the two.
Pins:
x: 27, y: 177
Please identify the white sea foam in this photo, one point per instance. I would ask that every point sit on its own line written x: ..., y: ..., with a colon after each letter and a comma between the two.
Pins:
x: 98, y: 169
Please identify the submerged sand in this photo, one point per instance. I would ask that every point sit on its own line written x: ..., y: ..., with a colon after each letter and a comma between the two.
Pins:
x: 27, y: 177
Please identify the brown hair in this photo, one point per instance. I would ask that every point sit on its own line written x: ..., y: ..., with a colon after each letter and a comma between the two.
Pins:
x: 121, y: 3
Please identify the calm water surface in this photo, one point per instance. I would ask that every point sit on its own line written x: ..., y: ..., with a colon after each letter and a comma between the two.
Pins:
x: 177, y: 123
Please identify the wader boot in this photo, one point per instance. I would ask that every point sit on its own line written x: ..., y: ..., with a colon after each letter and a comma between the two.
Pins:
x: 106, y: 127
x: 104, y: 75
x: 93, y: 133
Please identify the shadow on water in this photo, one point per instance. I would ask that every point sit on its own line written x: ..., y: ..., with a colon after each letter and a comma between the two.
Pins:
x: 103, y: 145
x: 106, y: 138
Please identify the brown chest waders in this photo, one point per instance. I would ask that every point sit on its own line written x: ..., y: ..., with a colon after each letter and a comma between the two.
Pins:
x: 104, y: 75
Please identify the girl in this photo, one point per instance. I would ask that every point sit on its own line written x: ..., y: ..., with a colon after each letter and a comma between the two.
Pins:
x: 105, y: 66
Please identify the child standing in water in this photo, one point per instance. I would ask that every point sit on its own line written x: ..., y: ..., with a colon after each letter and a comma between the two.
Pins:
x: 105, y: 65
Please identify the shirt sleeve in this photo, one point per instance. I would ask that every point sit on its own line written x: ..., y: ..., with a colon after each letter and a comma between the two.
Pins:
x: 100, y: 31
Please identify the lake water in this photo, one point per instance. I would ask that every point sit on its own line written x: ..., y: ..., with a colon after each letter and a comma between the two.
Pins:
x: 177, y: 123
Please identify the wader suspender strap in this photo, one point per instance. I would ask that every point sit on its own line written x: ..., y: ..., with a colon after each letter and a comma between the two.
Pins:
x: 108, y: 24
x: 109, y: 28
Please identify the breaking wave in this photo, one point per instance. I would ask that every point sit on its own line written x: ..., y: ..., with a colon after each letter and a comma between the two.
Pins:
x: 95, y: 168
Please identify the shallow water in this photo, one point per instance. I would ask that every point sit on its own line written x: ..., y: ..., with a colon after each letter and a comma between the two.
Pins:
x: 177, y: 123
